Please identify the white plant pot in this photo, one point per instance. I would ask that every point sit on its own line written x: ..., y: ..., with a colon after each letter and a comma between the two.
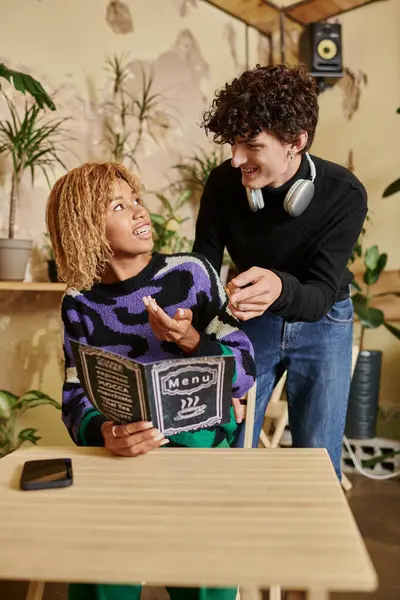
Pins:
x: 14, y: 256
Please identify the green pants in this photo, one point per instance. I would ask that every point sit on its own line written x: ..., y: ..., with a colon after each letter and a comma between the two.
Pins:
x: 79, y: 591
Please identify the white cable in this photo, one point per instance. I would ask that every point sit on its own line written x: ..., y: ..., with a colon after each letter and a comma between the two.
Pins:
x: 363, y: 471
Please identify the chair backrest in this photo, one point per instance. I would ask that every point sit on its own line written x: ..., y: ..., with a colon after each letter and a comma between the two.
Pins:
x: 354, y: 355
x: 249, y: 416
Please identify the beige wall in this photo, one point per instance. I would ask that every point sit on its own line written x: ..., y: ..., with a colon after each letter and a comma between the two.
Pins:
x: 193, y: 49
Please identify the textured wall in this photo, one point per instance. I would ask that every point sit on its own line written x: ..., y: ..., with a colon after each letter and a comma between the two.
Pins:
x: 192, y: 49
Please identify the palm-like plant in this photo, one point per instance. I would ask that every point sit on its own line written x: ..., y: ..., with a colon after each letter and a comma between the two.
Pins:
x: 33, y: 142
x: 127, y: 114
x: 12, y: 408
x: 197, y: 168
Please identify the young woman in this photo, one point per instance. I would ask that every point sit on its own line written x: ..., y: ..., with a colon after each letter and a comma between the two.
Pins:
x: 123, y: 298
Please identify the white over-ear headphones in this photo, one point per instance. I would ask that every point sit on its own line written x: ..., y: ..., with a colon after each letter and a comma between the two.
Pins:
x: 297, y: 198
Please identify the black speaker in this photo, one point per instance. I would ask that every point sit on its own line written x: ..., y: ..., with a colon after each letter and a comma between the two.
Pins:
x: 321, y: 49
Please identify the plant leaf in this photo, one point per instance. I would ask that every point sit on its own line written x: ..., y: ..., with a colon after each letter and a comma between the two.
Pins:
x: 371, y: 462
x: 7, y: 404
x: 28, y: 435
x: 165, y: 202
x: 369, y: 317
x: 183, y: 199
x: 355, y: 285
x: 397, y: 294
x: 25, y: 83
x: 394, y: 330
x: 371, y: 258
x: 35, y: 398
x: 381, y: 263
x: 157, y: 219
x: 393, y: 188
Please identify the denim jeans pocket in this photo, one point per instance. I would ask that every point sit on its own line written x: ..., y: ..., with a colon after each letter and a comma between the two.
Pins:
x: 341, y: 312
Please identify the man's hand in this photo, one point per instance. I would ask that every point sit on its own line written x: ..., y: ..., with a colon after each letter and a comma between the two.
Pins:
x: 253, y: 301
x: 132, y: 439
x: 179, y: 329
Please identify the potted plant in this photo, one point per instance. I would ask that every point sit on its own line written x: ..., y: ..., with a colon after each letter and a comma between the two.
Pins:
x: 364, y: 391
x: 12, y: 408
x: 33, y: 142
x: 50, y: 259
x: 166, y: 225
x: 196, y: 169
x: 130, y: 114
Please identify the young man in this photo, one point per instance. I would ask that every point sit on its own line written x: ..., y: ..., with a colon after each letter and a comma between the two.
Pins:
x: 289, y: 222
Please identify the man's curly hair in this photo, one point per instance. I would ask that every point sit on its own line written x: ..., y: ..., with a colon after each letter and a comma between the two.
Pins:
x: 279, y: 98
x: 76, y: 221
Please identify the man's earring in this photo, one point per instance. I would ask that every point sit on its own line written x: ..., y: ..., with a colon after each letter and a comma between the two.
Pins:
x: 290, y: 154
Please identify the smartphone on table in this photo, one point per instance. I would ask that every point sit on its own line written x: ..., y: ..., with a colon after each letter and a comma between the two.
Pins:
x: 46, y: 474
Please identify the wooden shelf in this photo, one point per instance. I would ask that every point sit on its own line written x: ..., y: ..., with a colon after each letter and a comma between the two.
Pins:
x: 314, y: 11
x: 263, y: 15
x: 31, y: 286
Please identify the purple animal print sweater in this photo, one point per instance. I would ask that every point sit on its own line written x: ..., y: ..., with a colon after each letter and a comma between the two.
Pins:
x: 113, y: 317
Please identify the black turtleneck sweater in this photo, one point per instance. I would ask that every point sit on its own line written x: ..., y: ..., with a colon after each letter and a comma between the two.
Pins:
x: 309, y: 253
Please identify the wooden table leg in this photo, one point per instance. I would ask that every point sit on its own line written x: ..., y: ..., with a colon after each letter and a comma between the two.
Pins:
x: 35, y: 590
x: 346, y: 483
x: 275, y: 592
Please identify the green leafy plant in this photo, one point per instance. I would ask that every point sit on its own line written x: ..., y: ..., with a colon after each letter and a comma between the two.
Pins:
x: 167, y: 224
x: 25, y: 83
x: 196, y: 169
x: 394, y: 187
x: 127, y: 116
x: 33, y: 142
x: 12, y: 408
x: 370, y: 317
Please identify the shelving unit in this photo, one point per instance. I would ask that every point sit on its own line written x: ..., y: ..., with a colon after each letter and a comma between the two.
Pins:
x: 31, y: 286
x: 263, y: 15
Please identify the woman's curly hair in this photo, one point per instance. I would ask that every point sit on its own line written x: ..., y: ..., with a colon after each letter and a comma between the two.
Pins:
x: 279, y: 98
x: 76, y: 223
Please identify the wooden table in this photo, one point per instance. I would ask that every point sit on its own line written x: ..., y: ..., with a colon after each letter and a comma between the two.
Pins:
x: 184, y: 517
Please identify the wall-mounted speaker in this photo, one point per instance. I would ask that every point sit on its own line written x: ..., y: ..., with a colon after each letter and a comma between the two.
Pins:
x: 321, y: 49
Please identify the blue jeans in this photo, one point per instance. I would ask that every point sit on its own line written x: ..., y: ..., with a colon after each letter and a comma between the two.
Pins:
x: 317, y: 357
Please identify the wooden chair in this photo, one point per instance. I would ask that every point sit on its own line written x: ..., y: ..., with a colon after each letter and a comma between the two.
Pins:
x: 279, y: 414
x: 276, y: 415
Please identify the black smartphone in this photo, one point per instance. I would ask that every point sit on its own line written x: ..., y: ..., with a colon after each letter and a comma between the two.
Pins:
x: 46, y: 474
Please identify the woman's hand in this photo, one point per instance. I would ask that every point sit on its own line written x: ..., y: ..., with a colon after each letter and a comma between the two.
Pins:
x: 178, y: 330
x: 238, y: 410
x: 132, y: 439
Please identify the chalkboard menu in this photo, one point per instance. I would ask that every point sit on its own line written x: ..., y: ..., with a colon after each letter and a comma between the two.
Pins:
x: 182, y: 394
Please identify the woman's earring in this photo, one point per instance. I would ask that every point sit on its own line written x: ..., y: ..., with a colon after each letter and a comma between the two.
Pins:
x: 290, y: 154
